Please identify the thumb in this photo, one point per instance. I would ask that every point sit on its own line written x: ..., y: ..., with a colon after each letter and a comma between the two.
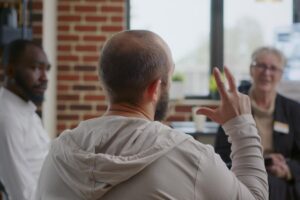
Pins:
x: 210, y: 113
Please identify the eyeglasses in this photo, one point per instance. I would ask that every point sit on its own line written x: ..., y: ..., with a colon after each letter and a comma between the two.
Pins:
x: 261, y: 67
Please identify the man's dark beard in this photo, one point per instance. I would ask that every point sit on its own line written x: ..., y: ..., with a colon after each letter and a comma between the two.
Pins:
x: 162, y: 106
x: 37, y: 99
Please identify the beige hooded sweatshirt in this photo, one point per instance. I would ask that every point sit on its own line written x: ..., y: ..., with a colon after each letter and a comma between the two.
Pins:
x: 116, y: 157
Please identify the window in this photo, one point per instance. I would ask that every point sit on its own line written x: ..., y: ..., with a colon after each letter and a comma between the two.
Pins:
x: 288, y: 40
x: 185, y: 26
x: 249, y: 24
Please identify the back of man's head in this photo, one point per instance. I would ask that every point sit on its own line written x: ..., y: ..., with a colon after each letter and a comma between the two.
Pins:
x: 130, y: 61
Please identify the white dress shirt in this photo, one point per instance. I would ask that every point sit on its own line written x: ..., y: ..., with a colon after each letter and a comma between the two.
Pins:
x: 23, y: 146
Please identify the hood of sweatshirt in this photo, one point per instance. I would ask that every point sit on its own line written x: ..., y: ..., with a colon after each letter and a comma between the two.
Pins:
x: 103, y: 152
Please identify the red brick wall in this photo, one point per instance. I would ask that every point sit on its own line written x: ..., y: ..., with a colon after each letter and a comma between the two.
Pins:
x: 37, y: 20
x: 83, y: 26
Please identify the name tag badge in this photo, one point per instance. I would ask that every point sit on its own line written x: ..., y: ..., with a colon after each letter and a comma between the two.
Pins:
x: 281, y: 127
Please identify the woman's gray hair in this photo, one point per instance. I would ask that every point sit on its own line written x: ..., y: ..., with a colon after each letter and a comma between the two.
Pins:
x: 268, y: 49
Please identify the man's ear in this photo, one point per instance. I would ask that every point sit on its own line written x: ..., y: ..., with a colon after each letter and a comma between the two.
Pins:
x: 153, y: 90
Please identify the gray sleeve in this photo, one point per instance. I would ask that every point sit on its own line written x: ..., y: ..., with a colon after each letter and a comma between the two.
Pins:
x: 248, y: 177
x: 246, y: 155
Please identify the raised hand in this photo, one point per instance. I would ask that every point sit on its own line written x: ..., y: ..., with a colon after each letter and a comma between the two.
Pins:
x: 232, y: 104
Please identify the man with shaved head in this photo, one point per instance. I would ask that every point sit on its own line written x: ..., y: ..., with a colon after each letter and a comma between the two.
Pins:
x: 128, y: 154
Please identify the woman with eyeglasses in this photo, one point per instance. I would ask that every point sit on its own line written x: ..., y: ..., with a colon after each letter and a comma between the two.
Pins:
x: 278, y: 122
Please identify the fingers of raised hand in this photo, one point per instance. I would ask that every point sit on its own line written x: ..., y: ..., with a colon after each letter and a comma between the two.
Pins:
x: 233, y: 103
x: 210, y: 113
x: 230, y: 79
x: 220, y: 83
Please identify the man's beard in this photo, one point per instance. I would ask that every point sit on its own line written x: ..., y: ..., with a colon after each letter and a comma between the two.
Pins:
x: 35, y: 98
x: 162, y: 106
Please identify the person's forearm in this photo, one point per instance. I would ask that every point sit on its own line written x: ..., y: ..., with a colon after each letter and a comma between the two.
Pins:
x: 247, y: 159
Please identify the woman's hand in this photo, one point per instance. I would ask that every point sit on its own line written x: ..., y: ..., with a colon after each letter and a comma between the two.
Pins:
x: 279, y: 167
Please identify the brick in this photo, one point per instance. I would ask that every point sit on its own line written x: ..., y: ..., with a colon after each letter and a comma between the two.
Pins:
x: 63, y: 7
x: 68, y: 58
x: 96, y: 0
x: 90, y: 58
x: 67, y: 117
x: 176, y: 118
x: 68, y: 37
x: 38, y: 0
x: 61, y: 107
x: 84, y: 87
x: 86, y: 48
x: 63, y: 28
x: 80, y: 36
x: 112, y: 9
x: 90, y: 78
x: 37, y: 30
x: 72, y: 126
x: 85, y: 28
x: 64, y: 48
x: 37, y: 17
x: 68, y: 97
x: 89, y: 116
x: 82, y: 8
x: 94, y: 38
x: 80, y: 107
x: 95, y: 18
x: 117, y: 19
x: 61, y: 127
x: 85, y: 68
x: 68, y: 77
x: 36, y: 5
x: 211, y: 106
x: 102, y: 107
x: 94, y: 97
x: 69, y: 18
x: 62, y: 68
x: 63, y: 87
x: 112, y: 28
x: 187, y: 109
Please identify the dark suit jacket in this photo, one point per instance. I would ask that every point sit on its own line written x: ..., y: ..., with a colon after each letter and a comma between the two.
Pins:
x: 288, y: 144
